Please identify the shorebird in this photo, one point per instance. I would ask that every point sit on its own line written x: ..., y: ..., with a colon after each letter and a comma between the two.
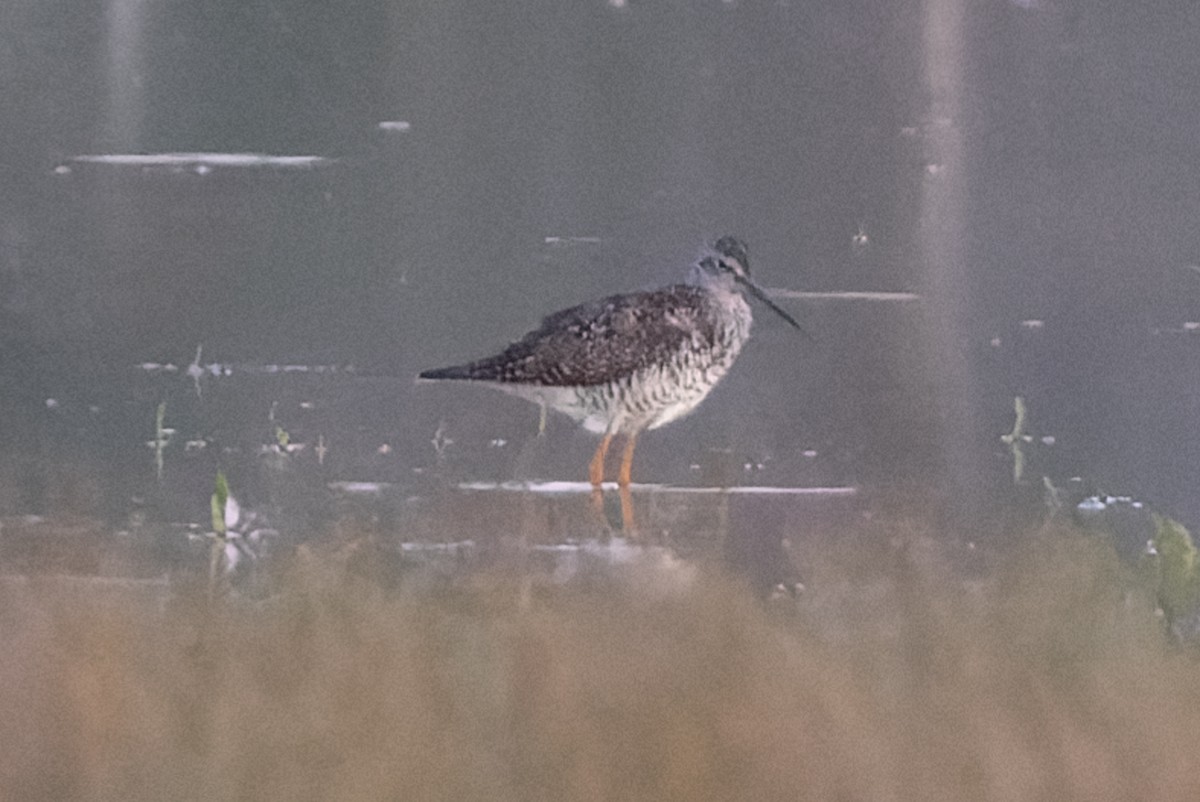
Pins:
x: 632, y: 362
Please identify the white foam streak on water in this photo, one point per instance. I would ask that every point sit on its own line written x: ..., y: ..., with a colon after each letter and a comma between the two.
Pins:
x: 555, y: 488
x: 359, y: 488
x: 437, y: 548
x: 224, y: 369
x: 196, y: 159
x: 568, y: 240
x: 845, y: 296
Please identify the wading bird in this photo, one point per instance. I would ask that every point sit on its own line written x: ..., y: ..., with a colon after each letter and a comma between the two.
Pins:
x: 631, y: 362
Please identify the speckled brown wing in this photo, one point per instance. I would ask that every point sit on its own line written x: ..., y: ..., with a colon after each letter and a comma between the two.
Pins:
x: 598, y: 342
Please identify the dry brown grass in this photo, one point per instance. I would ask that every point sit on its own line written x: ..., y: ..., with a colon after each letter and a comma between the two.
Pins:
x: 891, y: 678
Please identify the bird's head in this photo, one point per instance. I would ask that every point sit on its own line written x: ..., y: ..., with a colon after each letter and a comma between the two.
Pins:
x: 728, y: 268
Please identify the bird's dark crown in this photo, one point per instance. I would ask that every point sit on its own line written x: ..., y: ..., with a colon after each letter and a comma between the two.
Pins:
x: 733, y: 254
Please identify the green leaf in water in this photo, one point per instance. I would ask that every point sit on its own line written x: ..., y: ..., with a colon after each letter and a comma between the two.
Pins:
x: 220, y: 498
x: 1178, y: 568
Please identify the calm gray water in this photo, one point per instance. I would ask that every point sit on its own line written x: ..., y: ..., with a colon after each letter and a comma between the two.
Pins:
x: 1030, y: 170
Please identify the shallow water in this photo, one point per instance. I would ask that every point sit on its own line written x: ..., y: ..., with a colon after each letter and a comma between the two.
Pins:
x: 279, y: 239
x: 229, y: 242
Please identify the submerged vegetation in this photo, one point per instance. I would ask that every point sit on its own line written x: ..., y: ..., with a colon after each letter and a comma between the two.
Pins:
x: 898, y: 673
x: 1174, y: 573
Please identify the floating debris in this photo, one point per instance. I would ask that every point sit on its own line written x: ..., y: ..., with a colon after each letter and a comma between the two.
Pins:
x: 1101, y: 502
x: 281, y: 448
x: 195, y: 371
x: 441, y: 441
x: 1015, y: 438
x: 162, y: 438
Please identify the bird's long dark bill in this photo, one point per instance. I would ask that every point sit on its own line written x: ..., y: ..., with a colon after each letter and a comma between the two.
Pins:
x: 758, y: 293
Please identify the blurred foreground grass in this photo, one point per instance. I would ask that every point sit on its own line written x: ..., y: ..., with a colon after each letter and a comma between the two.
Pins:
x: 892, y: 677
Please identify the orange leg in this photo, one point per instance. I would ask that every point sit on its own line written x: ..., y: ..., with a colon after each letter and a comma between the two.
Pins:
x: 596, y: 469
x: 623, y: 477
x: 628, y: 524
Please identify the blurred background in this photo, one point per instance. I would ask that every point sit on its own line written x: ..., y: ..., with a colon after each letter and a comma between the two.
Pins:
x: 363, y: 190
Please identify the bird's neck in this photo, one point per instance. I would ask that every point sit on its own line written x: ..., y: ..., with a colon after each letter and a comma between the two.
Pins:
x: 706, y: 279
